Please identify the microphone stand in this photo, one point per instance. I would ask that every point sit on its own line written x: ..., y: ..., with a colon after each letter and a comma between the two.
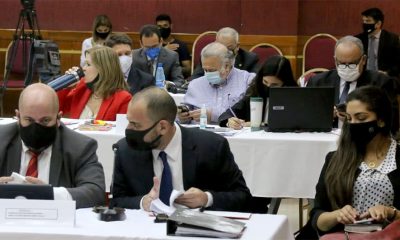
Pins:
x: 112, y: 213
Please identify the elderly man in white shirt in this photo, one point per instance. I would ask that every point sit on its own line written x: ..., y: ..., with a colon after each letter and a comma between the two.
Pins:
x: 221, y: 87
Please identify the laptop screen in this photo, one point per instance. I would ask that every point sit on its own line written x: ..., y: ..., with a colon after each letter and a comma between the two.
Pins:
x: 26, y: 191
x: 293, y: 109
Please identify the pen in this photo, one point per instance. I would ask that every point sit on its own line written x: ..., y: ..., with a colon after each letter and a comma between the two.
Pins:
x: 230, y: 108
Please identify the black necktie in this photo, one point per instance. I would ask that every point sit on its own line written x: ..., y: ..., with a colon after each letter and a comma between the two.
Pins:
x: 166, y: 180
x: 345, y: 92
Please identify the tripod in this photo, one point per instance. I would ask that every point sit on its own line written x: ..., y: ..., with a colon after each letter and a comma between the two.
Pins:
x: 27, y: 15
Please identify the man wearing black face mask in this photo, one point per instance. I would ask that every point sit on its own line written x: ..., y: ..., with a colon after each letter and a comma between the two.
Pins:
x: 42, y: 149
x: 164, y: 23
x: 158, y: 155
x: 382, y: 47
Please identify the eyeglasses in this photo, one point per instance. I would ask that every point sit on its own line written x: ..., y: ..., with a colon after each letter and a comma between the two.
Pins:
x: 348, y: 65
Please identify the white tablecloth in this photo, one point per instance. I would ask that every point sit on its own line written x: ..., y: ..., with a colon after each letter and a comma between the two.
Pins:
x: 273, y: 164
x: 138, y: 225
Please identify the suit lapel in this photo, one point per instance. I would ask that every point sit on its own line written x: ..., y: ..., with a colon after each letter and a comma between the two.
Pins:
x: 189, y: 159
x: 14, y: 156
x: 105, y: 105
x: 337, y: 87
x: 146, y: 62
x: 56, y: 160
x: 381, y: 44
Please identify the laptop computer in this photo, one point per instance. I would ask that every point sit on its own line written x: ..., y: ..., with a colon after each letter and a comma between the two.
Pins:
x: 26, y: 191
x: 295, y: 109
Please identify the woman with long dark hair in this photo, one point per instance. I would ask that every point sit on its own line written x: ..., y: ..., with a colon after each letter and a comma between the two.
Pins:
x: 361, y: 179
x: 275, y: 72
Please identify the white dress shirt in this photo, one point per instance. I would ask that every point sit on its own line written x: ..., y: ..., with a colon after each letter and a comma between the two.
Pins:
x: 174, y: 158
x: 60, y: 193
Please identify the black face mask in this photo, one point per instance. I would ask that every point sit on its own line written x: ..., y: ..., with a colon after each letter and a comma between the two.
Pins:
x: 38, y: 137
x: 91, y: 84
x: 135, y: 139
x: 102, y: 35
x: 368, y: 27
x: 165, y: 32
x: 362, y: 133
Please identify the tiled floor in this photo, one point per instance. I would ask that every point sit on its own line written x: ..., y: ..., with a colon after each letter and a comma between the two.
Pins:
x: 290, y: 208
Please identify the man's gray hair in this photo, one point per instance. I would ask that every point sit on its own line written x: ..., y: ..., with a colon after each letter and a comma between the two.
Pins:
x: 351, y: 39
x: 217, y: 49
x: 228, y: 32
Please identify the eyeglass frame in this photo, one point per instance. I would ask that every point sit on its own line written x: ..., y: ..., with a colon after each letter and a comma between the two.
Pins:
x: 348, y: 65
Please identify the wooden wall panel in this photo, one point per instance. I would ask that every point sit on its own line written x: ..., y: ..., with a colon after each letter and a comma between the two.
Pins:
x: 70, y: 44
x: 343, y: 17
x: 269, y: 17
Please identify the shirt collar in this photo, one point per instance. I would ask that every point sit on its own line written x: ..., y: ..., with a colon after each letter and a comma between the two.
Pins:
x: 377, y: 35
x: 26, y: 149
x: 172, y: 149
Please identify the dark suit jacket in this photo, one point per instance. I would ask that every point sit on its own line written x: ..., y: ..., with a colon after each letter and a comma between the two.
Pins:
x: 388, y: 51
x: 322, y: 203
x: 388, y: 84
x: 169, y: 59
x: 73, y: 163
x: 138, y: 80
x: 207, y: 164
x: 244, y: 60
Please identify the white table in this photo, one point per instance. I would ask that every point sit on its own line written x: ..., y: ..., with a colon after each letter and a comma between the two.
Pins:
x: 138, y: 225
x: 273, y: 164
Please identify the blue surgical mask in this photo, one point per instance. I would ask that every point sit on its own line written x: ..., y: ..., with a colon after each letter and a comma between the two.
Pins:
x: 153, y: 53
x: 213, y: 77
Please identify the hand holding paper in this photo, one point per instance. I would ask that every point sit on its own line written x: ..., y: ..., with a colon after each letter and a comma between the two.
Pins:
x: 152, y: 195
x: 34, y: 180
x: 193, y: 198
x: 6, y: 179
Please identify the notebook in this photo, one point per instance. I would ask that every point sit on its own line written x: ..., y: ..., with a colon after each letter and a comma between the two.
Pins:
x: 295, y: 109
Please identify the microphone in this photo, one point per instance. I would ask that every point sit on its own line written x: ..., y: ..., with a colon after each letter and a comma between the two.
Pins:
x: 112, y: 213
x: 66, y: 80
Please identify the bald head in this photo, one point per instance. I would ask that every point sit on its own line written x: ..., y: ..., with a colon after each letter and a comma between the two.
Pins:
x: 38, y: 94
x: 158, y: 103
x: 38, y: 101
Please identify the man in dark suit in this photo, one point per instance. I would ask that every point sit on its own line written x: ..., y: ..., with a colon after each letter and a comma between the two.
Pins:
x: 152, y: 53
x: 136, y: 78
x: 382, y: 47
x: 158, y: 155
x: 350, y: 74
x: 39, y: 147
x: 244, y: 60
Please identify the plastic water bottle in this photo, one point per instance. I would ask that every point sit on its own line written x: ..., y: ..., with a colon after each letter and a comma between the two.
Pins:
x: 160, y: 76
x: 203, y: 117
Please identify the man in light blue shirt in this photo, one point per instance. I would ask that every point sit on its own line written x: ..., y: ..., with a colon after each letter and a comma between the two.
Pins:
x: 222, y: 85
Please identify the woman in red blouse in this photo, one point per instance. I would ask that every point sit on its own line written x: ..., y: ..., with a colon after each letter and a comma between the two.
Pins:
x: 102, y: 93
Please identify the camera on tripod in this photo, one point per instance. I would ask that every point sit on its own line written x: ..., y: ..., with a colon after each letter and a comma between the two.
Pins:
x: 28, y: 4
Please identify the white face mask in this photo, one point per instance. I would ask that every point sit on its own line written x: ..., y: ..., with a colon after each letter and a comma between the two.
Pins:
x: 348, y: 75
x: 126, y: 62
